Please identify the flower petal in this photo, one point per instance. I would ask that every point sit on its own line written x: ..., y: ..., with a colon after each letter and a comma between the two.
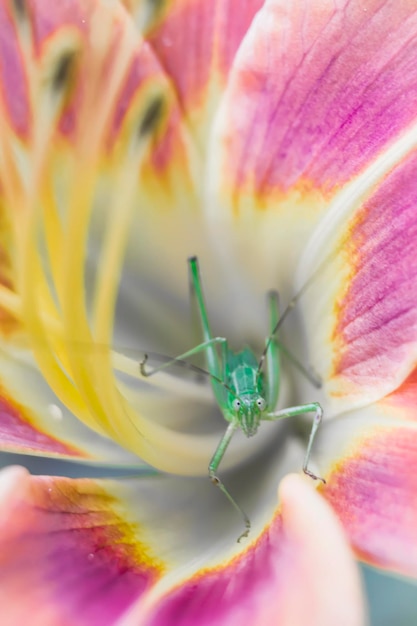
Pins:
x: 310, y: 106
x: 299, y: 571
x: 361, y: 309
x: 196, y: 42
x: 403, y: 401
x: 33, y: 421
x: 85, y: 550
x: 316, y: 93
x: 66, y: 549
x: 372, y: 484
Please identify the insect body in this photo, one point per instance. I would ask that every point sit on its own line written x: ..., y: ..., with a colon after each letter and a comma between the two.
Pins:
x: 246, y: 395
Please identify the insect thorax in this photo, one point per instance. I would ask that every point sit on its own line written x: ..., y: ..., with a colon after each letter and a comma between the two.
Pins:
x: 242, y: 374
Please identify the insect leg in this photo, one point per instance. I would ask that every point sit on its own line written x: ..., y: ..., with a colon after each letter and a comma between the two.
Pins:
x: 271, y: 353
x: 202, y: 346
x: 315, y: 408
x: 213, y: 362
x: 308, y: 372
x: 213, y: 466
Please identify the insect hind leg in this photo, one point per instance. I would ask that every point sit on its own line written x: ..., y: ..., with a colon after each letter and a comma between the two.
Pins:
x: 213, y: 467
x: 318, y: 416
x: 315, y: 408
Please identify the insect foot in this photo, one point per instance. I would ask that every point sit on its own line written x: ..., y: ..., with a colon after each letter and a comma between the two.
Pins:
x: 313, y: 476
x: 246, y: 533
x: 142, y: 366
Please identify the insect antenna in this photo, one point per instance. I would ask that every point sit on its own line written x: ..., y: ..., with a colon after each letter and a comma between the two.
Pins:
x: 310, y: 375
x: 294, y: 301
x: 279, y: 323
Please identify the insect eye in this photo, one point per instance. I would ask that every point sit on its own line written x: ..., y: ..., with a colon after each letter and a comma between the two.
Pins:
x: 260, y: 403
x: 236, y: 404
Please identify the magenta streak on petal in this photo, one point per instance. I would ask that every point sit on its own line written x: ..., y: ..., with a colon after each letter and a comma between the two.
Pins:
x: 231, y: 28
x: 184, y: 45
x: 12, y: 76
x: 143, y: 66
x: 198, y: 38
x: 170, y: 141
x: 375, y: 494
x: 322, y: 88
x: 378, y: 314
x: 68, y: 551
x: 18, y: 433
x: 47, y: 18
x: 246, y: 590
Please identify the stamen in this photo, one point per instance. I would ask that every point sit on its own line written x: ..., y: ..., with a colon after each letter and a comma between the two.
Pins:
x: 63, y: 71
x: 151, y: 117
x: 47, y: 286
x: 50, y: 188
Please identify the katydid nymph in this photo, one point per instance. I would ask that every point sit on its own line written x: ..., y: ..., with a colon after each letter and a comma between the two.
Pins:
x: 245, y: 394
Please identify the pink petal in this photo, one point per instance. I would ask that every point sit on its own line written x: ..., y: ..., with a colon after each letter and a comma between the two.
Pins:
x: 33, y: 421
x: 192, y: 38
x: 72, y: 27
x: 196, y: 42
x: 404, y: 399
x: 299, y: 571
x: 376, y: 331
x: 361, y: 310
x: 373, y: 489
x: 20, y: 432
x: 67, y: 555
x: 13, y: 84
x: 49, y: 21
x: 317, y: 91
x: 84, y: 551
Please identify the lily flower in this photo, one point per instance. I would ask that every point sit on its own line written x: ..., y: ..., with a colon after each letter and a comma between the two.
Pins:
x: 277, y: 142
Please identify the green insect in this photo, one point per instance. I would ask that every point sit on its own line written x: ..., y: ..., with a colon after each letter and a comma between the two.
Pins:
x: 245, y: 394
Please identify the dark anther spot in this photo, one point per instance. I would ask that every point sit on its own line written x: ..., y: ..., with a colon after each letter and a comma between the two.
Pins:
x: 155, y: 5
x: 151, y: 117
x: 151, y: 12
x: 20, y: 9
x: 63, y: 70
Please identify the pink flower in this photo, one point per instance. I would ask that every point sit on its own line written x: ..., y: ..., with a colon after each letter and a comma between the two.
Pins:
x: 277, y: 141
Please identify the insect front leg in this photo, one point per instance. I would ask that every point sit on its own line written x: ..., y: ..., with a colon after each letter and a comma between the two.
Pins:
x: 315, y: 408
x: 185, y: 355
x: 213, y: 467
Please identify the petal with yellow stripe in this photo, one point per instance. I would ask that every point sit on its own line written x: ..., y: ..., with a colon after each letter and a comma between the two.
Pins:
x: 78, y: 553
x: 360, y: 311
x: 371, y: 484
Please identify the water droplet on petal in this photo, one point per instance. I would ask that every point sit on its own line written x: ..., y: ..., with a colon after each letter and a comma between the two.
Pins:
x: 55, y: 412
